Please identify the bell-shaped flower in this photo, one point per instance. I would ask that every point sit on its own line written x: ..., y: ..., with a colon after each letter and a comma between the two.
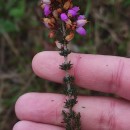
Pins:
x: 81, y: 22
x: 49, y: 23
x: 81, y: 31
x: 47, y: 10
x: 75, y: 8
x: 67, y: 5
x: 73, y: 11
x: 81, y: 17
x: 69, y: 37
x: 64, y: 17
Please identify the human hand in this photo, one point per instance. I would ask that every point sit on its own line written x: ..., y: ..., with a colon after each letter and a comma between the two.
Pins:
x: 42, y: 111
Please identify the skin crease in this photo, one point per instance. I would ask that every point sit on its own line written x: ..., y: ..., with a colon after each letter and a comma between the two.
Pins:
x: 97, y: 72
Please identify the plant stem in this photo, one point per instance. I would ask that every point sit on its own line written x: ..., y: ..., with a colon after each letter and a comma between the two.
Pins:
x: 71, y: 118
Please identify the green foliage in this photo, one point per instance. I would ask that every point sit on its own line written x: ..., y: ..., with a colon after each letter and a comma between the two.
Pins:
x: 18, y: 11
x: 13, y: 14
x: 126, y: 2
x: 7, y: 26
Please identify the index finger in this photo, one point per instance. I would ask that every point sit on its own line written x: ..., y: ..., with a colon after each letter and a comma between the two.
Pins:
x: 96, y: 72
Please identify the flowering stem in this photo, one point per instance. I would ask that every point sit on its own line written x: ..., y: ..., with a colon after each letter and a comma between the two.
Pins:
x: 63, y: 19
x: 71, y: 118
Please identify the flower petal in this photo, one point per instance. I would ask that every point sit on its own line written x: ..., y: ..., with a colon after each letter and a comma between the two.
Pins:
x: 81, y: 31
x: 81, y: 17
x: 72, y: 13
x: 81, y: 22
x: 76, y: 8
x: 64, y: 17
x: 47, y: 10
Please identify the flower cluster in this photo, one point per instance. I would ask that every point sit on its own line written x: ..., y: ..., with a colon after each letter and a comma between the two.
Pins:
x: 57, y: 11
x: 63, y: 19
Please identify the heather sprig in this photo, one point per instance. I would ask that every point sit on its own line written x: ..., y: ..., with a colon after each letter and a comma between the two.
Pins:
x: 63, y: 20
x: 57, y: 11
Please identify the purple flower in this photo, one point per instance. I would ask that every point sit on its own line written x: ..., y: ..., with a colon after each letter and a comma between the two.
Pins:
x: 81, y: 31
x: 75, y: 8
x: 73, y: 11
x: 47, y: 10
x: 81, y: 22
x: 64, y: 17
x: 81, y: 17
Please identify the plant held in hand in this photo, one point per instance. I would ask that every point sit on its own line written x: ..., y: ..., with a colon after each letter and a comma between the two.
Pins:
x: 63, y: 20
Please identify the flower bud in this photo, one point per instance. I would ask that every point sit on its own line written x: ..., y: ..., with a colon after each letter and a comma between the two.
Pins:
x: 81, y: 22
x: 69, y: 37
x: 42, y: 5
x: 81, y: 31
x: 73, y: 27
x: 81, y: 17
x: 59, y: 10
x: 68, y: 22
x: 68, y: 26
x: 52, y: 34
x: 76, y: 8
x: 46, y: 1
x: 66, y: 5
x: 46, y: 20
x: 52, y: 20
x: 55, y: 14
x: 73, y: 11
x: 48, y: 23
x: 71, y: 5
x: 64, y: 17
x: 47, y: 10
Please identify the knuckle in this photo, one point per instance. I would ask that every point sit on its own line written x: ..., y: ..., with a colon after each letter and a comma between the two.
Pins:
x: 117, y: 77
x: 111, y: 122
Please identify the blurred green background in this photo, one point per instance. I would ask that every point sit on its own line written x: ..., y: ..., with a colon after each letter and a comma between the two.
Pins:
x: 22, y: 35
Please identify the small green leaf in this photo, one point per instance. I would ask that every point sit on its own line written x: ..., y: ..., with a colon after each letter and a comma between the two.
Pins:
x: 8, y: 26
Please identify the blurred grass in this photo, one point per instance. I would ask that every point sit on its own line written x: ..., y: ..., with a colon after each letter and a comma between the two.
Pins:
x: 22, y: 36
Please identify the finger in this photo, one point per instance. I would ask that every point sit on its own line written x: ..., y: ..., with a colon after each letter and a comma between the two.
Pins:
x: 102, y: 73
x: 96, y: 113
x: 28, y: 125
